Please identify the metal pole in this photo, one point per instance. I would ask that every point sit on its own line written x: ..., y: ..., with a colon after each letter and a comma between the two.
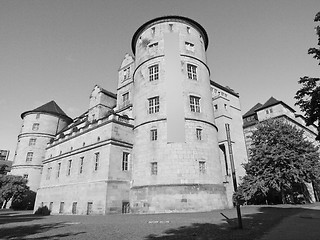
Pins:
x: 233, y: 171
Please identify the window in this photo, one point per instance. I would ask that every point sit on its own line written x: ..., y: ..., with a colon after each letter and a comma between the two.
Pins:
x: 125, y: 161
x: 98, y: 139
x: 153, y: 48
x: 126, y: 73
x: 153, y: 72
x: 153, y: 30
x: 29, y: 156
x: 35, y: 126
x: 194, y: 104
x: 199, y: 133
x: 125, y: 99
x: 25, y: 176
x: 58, y: 170
x: 50, y: 206
x: 49, y: 173
x: 153, y: 134
x: 153, y: 105
x: 189, y: 46
x: 188, y: 29
x: 32, y: 141
x: 74, y: 207
x: 81, y: 165
x: 202, y: 167
x: 69, y: 167
x: 170, y: 26
x: 38, y: 116
x: 154, y: 168
x: 192, y: 71
x: 215, y: 107
x: 96, y: 161
x: 61, y: 207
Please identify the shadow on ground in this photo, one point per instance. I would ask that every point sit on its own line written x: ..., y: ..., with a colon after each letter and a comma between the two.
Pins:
x: 254, y: 226
x: 24, y: 232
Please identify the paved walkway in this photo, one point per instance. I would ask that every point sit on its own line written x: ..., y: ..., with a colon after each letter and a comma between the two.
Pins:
x: 302, y: 226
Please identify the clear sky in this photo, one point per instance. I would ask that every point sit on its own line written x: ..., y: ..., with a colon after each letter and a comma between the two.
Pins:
x: 59, y: 49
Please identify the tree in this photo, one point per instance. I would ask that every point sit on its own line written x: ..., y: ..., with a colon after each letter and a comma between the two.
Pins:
x: 308, y: 97
x: 280, y: 161
x: 12, y: 186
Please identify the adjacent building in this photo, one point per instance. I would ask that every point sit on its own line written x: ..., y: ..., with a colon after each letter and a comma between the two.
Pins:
x: 274, y: 108
x: 163, y: 143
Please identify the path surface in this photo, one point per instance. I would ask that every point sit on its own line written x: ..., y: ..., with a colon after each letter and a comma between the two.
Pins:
x: 260, y: 223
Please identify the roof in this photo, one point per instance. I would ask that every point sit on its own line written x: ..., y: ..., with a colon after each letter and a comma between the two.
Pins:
x: 50, y: 107
x: 227, y: 89
x: 252, y: 110
x: 173, y: 18
x: 271, y: 102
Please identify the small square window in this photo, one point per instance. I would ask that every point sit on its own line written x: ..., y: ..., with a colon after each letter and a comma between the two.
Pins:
x: 153, y: 134
x: 29, y: 156
x: 35, y: 126
x: 154, y: 168
x: 153, y: 47
x: 32, y: 141
x: 189, y: 46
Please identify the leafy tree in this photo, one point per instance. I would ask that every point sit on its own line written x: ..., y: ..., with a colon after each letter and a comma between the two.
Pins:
x: 12, y: 186
x: 280, y: 160
x: 308, y: 97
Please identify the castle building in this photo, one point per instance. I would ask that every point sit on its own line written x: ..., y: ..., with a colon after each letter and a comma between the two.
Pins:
x: 38, y: 127
x: 163, y: 143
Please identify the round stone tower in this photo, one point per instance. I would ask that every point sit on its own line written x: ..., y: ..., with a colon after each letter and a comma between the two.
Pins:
x: 38, y: 127
x: 175, y: 161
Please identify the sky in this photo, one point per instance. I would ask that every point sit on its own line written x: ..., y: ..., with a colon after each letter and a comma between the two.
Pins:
x: 60, y: 49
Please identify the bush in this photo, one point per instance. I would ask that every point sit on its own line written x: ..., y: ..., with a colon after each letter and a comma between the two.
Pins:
x: 44, y: 211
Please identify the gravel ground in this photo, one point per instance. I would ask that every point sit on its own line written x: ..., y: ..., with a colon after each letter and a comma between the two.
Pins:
x: 257, y: 221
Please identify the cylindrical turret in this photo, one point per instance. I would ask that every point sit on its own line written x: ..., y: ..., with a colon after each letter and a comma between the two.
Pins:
x: 176, y: 164
x: 38, y: 127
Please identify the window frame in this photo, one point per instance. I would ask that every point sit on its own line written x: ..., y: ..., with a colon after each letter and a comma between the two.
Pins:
x: 125, y: 161
x: 194, y: 102
x: 153, y: 72
x: 29, y: 156
x: 154, y: 134
x: 153, y: 105
x: 35, y: 126
x: 202, y: 167
x: 96, y: 161
x: 154, y: 168
x: 69, y: 167
x: 199, y: 134
x: 192, y: 72
x: 32, y: 141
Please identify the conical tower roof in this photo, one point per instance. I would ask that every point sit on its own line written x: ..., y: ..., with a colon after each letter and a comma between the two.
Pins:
x: 50, y: 107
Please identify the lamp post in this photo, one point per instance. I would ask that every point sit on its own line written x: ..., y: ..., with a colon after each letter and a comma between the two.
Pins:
x: 233, y: 171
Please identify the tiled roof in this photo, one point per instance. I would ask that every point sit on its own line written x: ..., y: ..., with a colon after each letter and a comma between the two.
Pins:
x: 50, y: 107
x: 271, y: 102
x: 252, y: 110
